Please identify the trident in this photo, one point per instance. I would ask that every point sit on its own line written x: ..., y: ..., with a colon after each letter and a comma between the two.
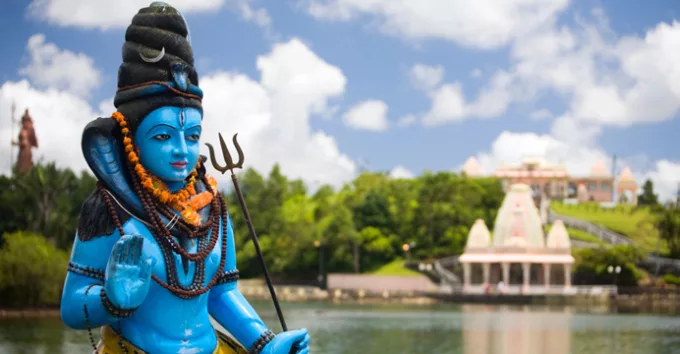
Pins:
x: 230, y: 166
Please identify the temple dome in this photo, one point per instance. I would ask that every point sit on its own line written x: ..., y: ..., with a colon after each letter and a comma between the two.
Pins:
x: 558, y: 237
x: 479, y: 235
x: 518, y: 222
x: 472, y: 168
x: 599, y: 169
x: 626, y: 176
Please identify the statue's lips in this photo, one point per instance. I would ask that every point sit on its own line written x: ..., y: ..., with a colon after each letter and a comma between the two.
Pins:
x: 179, y: 164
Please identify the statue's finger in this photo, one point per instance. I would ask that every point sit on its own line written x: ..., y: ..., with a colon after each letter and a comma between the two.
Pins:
x: 116, y: 252
x: 136, y: 249
x: 304, y: 342
x: 146, y: 268
x: 125, y: 257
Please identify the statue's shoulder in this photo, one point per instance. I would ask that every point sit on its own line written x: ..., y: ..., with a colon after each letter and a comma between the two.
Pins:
x: 95, y: 215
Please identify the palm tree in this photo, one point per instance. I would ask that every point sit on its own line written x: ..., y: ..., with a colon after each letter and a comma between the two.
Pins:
x: 48, y: 201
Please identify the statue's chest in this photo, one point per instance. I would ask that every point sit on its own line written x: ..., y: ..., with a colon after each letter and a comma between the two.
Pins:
x: 172, y: 267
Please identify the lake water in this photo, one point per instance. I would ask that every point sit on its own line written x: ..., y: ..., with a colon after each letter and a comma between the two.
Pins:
x: 391, y: 329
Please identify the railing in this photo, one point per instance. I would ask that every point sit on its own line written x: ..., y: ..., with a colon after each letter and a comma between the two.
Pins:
x: 611, y: 237
x: 543, y: 290
x: 583, y: 244
x: 662, y: 261
x: 448, y: 261
x: 646, y: 290
x: 446, y: 275
x: 601, y: 232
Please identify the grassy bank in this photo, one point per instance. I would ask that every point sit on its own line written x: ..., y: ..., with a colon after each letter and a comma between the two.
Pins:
x: 634, y: 222
x: 396, y: 267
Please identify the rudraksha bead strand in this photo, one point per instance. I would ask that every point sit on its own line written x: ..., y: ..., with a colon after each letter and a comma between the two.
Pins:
x: 171, y: 271
x: 151, y: 207
x: 169, y: 240
x: 261, y: 342
x: 112, y: 210
x: 113, y: 309
x: 87, y: 317
x: 218, y: 210
x: 228, y: 277
x: 86, y: 271
x: 219, y: 271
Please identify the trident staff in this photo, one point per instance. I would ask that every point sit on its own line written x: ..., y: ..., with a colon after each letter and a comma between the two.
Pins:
x: 230, y: 166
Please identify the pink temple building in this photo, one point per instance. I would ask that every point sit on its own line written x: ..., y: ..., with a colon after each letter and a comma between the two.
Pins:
x: 555, y: 182
x: 517, y: 253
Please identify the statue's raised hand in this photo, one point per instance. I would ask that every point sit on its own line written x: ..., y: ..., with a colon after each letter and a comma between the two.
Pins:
x: 290, y: 342
x: 127, y: 278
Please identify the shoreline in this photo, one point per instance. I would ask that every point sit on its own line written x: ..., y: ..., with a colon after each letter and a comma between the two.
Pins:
x: 642, y: 303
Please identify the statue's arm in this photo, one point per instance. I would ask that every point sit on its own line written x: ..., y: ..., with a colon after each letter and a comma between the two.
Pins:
x: 230, y: 308
x: 95, y: 237
x: 81, y: 303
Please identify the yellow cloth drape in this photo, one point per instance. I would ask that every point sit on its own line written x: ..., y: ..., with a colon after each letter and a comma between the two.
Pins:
x: 110, y: 343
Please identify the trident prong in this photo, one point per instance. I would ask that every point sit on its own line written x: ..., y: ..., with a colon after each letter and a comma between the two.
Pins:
x: 230, y: 165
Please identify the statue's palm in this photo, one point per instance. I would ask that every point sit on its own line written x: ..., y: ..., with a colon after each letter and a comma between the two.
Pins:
x: 128, y: 277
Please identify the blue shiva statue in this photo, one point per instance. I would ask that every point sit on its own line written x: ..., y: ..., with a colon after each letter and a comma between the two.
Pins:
x: 153, y: 259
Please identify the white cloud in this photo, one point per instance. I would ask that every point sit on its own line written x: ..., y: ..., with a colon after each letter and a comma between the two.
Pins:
x: 407, y: 120
x: 118, y: 14
x: 481, y: 24
x: 666, y: 178
x: 367, y: 115
x: 476, y: 73
x: 607, y: 81
x: 426, y: 77
x: 541, y: 114
x: 59, y: 69
x: 450, y: 105
x: 258, y: 16
x: 400, y: 171
x: 272, y: 116
x: 58, y: 116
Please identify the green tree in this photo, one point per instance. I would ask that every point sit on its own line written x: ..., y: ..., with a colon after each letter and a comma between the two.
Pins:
x: 46, y: 200
x: 648, y: 197
x: 668, y: 224
x: 591, y: 266
x: 32, y: 271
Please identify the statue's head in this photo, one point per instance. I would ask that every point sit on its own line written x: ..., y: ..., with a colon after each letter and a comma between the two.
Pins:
x: 158, y: 98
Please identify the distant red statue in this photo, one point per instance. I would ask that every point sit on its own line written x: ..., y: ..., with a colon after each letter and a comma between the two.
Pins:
x: 27, y: 141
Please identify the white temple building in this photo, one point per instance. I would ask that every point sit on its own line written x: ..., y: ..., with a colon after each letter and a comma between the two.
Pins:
x: 517, y: 253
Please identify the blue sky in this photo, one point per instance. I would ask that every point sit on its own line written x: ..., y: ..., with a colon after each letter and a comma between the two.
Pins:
x: 376, y: 64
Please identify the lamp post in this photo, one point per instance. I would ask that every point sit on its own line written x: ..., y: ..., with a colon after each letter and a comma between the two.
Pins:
x: 321, y: 278
x: 407, y: 249
x: 616, y: 270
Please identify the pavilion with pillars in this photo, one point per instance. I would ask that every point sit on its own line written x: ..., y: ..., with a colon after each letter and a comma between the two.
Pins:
x: 518, y: 252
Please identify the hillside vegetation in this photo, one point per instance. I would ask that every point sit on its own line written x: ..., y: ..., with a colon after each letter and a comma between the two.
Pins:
x: 634, y: 222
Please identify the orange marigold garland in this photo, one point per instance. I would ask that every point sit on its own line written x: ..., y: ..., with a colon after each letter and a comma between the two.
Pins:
x: 184, y: 201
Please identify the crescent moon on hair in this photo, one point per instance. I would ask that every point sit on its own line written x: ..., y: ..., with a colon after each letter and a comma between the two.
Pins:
x: 155, y: 59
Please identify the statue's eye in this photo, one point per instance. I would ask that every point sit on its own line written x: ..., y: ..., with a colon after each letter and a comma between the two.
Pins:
x: 193, y: 137
x: 162, y: 137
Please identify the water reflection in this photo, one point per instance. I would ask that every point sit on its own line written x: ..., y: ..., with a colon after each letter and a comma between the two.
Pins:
x: 518, y: 330
x: 382, y: 329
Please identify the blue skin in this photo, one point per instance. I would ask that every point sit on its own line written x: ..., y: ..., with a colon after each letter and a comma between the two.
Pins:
x: 164, y: 323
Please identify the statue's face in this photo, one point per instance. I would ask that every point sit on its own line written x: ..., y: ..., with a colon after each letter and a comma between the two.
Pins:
x: 168, y: 141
